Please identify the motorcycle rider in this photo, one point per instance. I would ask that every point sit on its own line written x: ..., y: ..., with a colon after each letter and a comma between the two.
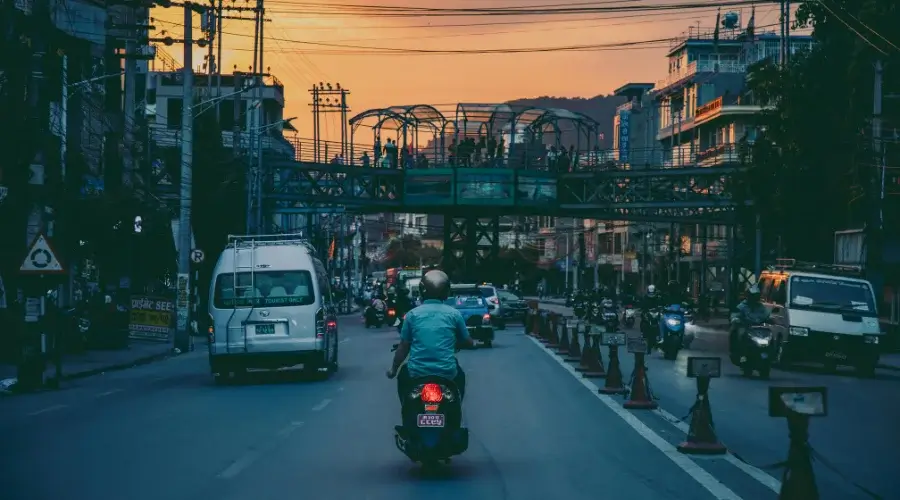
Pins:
x: 429, y: 337
x: 651, y: 301
x: 749, y: 312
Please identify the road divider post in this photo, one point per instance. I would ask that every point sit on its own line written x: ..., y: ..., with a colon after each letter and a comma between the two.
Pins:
x: 701, y: 437
x: 574, y: 355
x: 614, y: 383
x: 797, y: 405
x: 592, y: 361
x: 640, y: 396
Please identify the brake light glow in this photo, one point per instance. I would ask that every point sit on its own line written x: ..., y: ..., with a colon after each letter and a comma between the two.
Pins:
x: 432, y: 393
x: 391, y: 312
x: 331, y: 324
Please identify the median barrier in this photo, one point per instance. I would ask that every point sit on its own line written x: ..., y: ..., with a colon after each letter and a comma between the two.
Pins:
x: 592, y: 360
x: 614, y: 383
x: 640, y: 397
x: 701, y: 438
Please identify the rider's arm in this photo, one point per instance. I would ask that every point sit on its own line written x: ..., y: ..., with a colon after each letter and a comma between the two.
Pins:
x: 403, y: 347
x: 462, y: 332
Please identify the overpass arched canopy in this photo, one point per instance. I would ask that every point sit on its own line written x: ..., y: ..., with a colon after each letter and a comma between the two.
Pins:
x: 496, y: 117
x: 396, y: 117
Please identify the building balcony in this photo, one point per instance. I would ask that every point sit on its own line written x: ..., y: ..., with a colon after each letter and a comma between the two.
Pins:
x: 698, y: 67
x: 722, y: 154
x: 710, y: 111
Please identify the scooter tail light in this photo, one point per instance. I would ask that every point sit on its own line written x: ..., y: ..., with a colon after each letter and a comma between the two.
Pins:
x: 432, y: 393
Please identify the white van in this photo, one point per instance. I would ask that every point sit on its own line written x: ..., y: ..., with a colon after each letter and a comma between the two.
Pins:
x: 270, y: 307
x: 822, y: 313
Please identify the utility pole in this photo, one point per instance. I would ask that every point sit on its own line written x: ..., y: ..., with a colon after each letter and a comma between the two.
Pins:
x: 219, y: 59
x: 236, y: 126
x: 183, y: 292
x: 327, y: 99
x: 254, y: 125
x: 260, y: 122
x: 875, y: 226
x: 130, y: 98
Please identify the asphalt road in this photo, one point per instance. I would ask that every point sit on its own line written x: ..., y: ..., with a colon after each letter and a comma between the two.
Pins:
x: 165, y: 431
x: 860, y: 436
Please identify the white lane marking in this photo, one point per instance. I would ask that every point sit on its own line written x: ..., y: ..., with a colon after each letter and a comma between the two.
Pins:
x: 344, y: 341
x: 285, y: 432
x: 108, y: 393
x: 249, y: 458
x: 756, y: 473
x: 240, y: 464
x: 321, y: 406
x: 691, y: 468
x: 47, y: 410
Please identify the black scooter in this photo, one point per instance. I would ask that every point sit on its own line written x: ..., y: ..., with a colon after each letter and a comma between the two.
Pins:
x: 374, y: 317
x: 580, y: 308
x: 752, y: 351
x: 432, y: 430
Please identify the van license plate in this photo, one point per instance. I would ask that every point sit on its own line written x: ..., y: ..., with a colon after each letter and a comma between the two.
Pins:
x: 265, y: 329
x: 431, y: 420
x: 835, y: 355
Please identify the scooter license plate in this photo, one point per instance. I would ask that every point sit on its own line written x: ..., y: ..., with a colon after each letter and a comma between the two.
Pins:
x: 431, y: 420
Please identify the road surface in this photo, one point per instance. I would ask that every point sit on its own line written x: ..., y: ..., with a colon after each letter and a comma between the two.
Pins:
x: 860, y: 436
x: 165, y: 431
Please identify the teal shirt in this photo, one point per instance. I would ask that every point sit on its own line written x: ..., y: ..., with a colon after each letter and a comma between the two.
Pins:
x: 432, y: 330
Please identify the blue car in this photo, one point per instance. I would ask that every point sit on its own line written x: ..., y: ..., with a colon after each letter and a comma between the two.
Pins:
x: 476, y: 313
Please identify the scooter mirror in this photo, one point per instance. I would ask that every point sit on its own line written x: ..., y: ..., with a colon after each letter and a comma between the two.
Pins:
x: 394, y: 347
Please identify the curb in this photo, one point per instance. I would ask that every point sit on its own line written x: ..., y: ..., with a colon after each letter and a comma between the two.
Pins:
x: 143, y: 360
x: 889, y: 367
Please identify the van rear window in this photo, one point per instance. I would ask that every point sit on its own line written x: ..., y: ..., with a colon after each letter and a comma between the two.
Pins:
x: 269, y: 289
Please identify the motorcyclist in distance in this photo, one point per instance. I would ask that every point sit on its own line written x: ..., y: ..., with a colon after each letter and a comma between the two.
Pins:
x: 429, y: 337
x: 751, y: 311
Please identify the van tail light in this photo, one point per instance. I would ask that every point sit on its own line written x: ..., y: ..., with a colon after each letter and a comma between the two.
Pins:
x: 320, y: 324
x: 211, y: 331
x: 432, y: 393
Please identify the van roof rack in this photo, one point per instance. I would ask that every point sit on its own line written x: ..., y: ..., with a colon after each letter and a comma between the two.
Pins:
x: 816, y: 267
x: 258, y: 240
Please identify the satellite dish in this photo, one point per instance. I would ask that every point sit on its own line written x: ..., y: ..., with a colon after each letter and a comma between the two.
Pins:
x: 730, y: 20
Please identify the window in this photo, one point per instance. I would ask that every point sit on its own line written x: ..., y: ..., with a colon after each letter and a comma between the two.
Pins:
x: 832, y: 295
x: 270, y: 289
x: 504, y: 295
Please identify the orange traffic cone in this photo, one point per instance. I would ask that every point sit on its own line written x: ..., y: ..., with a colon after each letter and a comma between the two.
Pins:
x: 544, y: 327
x: 574, y: 346
x: 552, y: 337
x: 534, y: 325
x: 701, y: 438
x: 564, y: 346
x: 594, y: 367
x: 614, y: 384
x: 585, y: 362
x: 640, y: 397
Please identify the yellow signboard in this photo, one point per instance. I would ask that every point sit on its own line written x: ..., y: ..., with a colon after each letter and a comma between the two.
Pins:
x: 151, y: 318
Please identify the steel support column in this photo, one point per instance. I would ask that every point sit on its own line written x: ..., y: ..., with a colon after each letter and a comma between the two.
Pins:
x: 471, y: 247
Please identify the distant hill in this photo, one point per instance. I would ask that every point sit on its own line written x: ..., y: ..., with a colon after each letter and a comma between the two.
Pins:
x: 601, y: 108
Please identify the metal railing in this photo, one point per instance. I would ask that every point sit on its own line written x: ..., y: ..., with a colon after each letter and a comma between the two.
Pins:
x: 726, y: 66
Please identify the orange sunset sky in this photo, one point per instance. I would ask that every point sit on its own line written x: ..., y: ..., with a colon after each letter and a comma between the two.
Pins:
x: 378, y: 80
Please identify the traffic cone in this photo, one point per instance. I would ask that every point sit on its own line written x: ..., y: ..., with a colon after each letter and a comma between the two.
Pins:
x: 574, y: 346
x: 595, y: 359
x: 563, y: 348
x: 701, y: 438
x: 640, y: 397
x: 534, y: 328
x: 614, y: 384
x: 544, y: 326
x: 554, y: 334
x: 585, y: 362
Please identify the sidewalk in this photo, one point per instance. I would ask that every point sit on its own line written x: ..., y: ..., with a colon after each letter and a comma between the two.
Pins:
x: 90, y: 363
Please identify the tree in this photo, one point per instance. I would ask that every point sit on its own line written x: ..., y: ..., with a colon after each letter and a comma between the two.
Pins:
x: 409, y: 251
x: 814, y: 152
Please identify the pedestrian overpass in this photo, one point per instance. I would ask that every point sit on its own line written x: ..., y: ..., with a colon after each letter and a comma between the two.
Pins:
x: 472, y: 193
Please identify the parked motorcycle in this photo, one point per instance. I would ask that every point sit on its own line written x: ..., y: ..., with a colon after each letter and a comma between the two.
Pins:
x: 595, y: 312
x: 431, y: 431
x: 672, y: 330
x: 650, y: 327
x: 580, y: 309
x: 609, y: 315
x: 752, y: 351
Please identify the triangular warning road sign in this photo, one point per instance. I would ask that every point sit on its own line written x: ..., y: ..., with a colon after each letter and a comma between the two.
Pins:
x: 41, y: 258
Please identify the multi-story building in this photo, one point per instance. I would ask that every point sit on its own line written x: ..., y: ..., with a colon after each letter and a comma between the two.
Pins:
x: 700, y: 114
